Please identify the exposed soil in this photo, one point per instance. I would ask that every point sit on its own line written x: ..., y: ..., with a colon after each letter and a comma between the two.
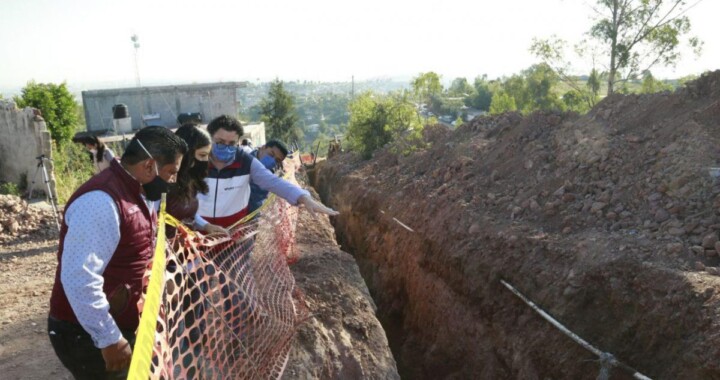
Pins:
x: 608, y: 221
x: 28, y: 244
x: 341, y: 340
x: 27, y: 271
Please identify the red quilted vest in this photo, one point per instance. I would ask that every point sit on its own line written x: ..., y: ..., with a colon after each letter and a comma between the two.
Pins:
x: 127, y: 265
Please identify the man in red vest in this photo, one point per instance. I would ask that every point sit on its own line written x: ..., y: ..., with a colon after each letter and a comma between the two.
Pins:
x: 106, y: 240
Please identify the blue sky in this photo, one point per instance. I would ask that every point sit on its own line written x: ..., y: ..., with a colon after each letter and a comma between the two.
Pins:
x: 87, y: 42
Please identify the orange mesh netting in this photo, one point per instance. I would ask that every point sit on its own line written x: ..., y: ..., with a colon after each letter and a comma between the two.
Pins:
x: 229, y: 309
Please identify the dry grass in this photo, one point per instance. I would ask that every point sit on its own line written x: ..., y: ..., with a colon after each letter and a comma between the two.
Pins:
x: 72, y: 169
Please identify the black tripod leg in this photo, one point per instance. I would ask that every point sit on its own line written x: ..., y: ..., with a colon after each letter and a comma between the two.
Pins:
x: 46, y: 179
x: 32, y: 184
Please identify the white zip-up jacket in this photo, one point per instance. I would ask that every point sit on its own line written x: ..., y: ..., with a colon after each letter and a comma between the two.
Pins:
x: 229, y: 189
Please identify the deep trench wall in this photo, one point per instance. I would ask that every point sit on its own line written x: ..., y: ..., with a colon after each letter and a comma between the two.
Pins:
x: 342, y: 338
x: 438, y: 292
x: 443, y: 309
x: 23, y: 137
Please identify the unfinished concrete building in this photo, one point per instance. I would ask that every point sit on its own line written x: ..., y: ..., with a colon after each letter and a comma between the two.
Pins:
x: 160, y: 105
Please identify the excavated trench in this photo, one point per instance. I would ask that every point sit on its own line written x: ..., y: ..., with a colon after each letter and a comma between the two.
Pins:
x: 446, y: 315
x: 586, y: 238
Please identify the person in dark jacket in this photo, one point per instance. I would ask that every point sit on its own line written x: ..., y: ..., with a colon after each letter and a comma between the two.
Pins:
x: 271, y: 155
x: 106, y: 241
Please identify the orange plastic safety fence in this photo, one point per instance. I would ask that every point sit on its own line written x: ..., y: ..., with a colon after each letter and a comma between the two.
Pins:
x: 230, y: 307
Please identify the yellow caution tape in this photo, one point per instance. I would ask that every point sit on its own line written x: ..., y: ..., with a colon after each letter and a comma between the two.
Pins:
x: 145, y: 340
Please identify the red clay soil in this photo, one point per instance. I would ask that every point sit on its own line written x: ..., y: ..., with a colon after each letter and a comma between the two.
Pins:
x: 609, y: 221
x: 342, y: 338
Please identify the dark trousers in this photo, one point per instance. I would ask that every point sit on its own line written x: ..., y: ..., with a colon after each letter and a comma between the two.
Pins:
x: 77, y: 352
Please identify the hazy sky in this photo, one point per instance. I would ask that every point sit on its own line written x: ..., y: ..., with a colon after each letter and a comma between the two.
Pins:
x: 87, y: 42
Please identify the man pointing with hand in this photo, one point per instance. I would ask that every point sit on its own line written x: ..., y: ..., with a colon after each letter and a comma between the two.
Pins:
x: 232, y: 169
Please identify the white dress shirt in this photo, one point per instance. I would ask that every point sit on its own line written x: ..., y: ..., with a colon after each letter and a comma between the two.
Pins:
x: 93, y: 235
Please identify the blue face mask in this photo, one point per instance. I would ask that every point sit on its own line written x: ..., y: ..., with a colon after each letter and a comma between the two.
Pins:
x: 223, y: 153
x: 268, y: 162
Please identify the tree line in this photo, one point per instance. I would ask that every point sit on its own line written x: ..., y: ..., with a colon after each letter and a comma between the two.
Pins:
x: 627, y: 39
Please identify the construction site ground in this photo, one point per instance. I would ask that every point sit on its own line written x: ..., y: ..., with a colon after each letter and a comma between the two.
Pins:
x: 609, y: 221
x: 341, y: 339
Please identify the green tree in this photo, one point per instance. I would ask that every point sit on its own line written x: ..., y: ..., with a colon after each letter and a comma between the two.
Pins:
x: 650, y: 85
x: 426, y: 85
x: 458, y: 122
x: 688, y: 78
x: 448, y: 106
x: 574, y: 101
x: 639, y: 34
x: 460, y: 87
x: 552, y: 53
x: 502, y: 102
x: 57, y: 106
x: 514, y: 87
x: 404, y: 124
x: 378, y: 120
x: 593, y: 84
x: 366, y: 129
x: 278, y: 112
x: 540, y: 80
x: 481, y: 95
x: 81, y: 122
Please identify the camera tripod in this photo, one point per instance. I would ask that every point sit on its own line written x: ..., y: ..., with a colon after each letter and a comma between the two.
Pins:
x: 41, y: 168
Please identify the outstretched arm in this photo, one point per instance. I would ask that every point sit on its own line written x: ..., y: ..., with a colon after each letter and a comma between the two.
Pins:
x: 286, y: 190
x: 314, y: 206
x: 268, y: 181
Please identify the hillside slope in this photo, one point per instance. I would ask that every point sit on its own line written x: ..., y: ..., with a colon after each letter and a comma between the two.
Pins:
x: 608, y: 221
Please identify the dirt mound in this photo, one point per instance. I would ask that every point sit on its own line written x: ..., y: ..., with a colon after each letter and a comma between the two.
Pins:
x: 18, y: 220
x: 608, y: 220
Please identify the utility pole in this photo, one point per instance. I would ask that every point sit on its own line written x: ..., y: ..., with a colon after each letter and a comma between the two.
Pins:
x: 136, y: 44
x: 352, y: 89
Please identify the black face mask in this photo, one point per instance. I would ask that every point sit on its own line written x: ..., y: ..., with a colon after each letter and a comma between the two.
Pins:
x: 155, y: 188
x: 199, y: 170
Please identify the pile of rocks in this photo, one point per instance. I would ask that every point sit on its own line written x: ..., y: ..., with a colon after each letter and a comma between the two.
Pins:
x: 20, y: 220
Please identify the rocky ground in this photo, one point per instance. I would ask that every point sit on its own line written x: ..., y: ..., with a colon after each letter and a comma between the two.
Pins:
x: 341, y: 340
x: 20, y: 222
x: 607, y: 220
x: 27, y: 270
